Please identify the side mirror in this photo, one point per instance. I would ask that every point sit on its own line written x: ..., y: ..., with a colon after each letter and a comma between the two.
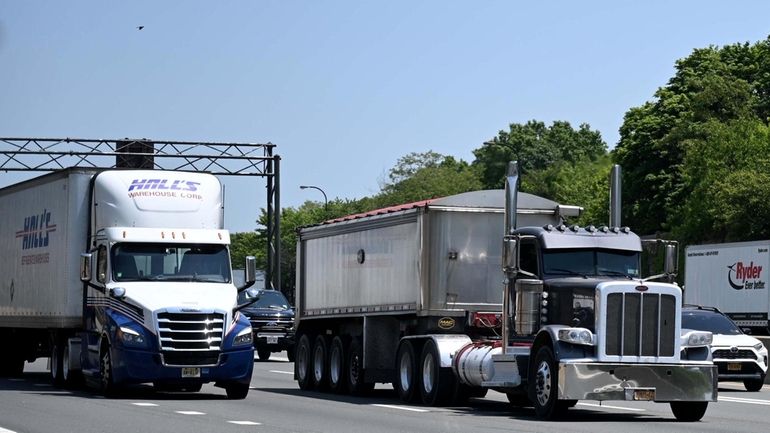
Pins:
x: 85, y: 267
x: 670, y: 265
x: 510, y: 254
x: 250, y: 273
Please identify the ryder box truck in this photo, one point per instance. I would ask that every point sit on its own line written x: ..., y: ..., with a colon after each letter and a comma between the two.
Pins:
x: 120, y: 277
x: 731, y: 277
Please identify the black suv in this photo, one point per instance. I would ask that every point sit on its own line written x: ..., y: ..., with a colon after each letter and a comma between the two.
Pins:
x: 272, y: 320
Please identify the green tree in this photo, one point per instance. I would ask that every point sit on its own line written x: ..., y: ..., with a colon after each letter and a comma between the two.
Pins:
x: 726, y: 174
x: 421, y: 176
x: 712, y: 85
x: 536, y: 147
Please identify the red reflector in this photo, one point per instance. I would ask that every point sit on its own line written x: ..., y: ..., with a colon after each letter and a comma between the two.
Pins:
x: 641, y: 288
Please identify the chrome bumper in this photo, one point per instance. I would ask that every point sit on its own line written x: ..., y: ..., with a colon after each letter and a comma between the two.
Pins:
x: 656, y: 382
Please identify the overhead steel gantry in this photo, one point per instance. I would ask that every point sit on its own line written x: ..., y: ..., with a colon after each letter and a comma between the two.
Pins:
x: 222, y: 159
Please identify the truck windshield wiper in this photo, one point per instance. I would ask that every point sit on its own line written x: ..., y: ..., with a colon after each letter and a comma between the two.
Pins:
x: 560, y: 271
x: 616, y: 273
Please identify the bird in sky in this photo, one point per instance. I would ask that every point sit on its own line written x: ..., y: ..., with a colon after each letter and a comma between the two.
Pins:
x: 139, y: 27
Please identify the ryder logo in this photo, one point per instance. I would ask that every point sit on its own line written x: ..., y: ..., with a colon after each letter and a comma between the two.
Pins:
x: 748, y: 277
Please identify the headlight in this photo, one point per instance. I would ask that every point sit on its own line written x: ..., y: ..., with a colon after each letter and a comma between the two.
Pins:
x: 759, y: 346
x: 577, y: 336
x: 698, y: 338
x: 244, y: 337
x: 130, y: 337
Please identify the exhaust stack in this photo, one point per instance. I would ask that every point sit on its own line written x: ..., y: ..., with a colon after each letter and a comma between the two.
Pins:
x: 615, y: 196
x: 511, y: 194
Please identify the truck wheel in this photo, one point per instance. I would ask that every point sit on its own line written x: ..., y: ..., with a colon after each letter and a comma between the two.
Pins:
x: 263, y: 353
x: 56, y: 361
x: 689, y: 411
x: 302, y: 363
x: 437, y: 384
x: 320, y: 366
x: 237, y: 391
x: 754, y: 385
x: 106, y: 380
x: 406, y: 372
x: 544, y: 381
x: 337, y: 367
x: 355, y: 364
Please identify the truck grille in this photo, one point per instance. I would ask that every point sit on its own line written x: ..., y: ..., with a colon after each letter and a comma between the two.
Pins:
x: 190, y: 331
x: 739, y: 354
x: 640, y: 324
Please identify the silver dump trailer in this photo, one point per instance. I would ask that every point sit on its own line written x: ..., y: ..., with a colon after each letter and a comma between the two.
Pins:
x: 448, y: 298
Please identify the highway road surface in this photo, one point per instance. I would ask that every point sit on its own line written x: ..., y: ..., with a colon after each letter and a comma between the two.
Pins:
x: 29, y: 404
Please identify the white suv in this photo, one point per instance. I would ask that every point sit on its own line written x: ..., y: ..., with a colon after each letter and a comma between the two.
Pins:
x: 738, y: 357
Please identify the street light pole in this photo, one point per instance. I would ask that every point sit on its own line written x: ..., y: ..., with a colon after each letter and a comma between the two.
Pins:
x: 326, y: 201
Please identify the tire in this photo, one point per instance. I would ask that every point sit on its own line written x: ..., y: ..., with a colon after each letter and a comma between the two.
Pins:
x: 263, y: 354
x: 237, y: 391
x: 544, y: 385
x: 355, y: 376
x: 57, y: 365
x: 436, y: 384
x: 689, y: 411
x: 406, y: 372
x: 337, y: 367
x: 754, y: 385
x: 319, y: 368
x: 302, y: 363
x: 106, y: 380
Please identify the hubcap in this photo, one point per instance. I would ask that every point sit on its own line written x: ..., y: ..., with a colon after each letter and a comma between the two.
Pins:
x: 543, y: 384
x: 335, y: 365
x: 428, y: 373
x: 318, y: 363
x: 302, y: 361
x: 65, y: 362
x: 353, y: 369
x: 405, y: 371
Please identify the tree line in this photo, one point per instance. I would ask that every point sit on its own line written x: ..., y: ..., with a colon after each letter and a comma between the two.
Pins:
x: 695, y: 158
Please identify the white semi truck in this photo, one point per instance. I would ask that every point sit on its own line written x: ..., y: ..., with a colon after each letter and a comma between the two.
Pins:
x: 412, y: 295
x: 120, y: 277
x: 731, y: 277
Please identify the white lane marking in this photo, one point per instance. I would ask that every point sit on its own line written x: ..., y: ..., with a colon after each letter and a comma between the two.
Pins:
x: 281, y: 372
x: 278, y: 358
x: 745, y: 400
x: 2, y: 430
x: 245, y: 422
x: 606, y: 406
x: 189, y: 412
x: 411, y: 409
x: 144, y: 404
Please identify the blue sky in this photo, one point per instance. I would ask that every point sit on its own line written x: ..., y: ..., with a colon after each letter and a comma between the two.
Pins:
x: 343, y: 88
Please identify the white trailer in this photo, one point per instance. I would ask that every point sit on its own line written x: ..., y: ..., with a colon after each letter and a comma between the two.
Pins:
x: 159, y: 305
x: 731, y: 277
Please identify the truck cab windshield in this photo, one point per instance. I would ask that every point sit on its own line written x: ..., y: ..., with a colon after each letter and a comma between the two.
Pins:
x: 591, y: 263
x: 161, y: 262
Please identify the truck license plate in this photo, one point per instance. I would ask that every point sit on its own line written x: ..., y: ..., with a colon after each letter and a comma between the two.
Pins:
x: 644, y: 394
x: 191, y: 372
x: 272, y: 339
x: 734, y: 366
